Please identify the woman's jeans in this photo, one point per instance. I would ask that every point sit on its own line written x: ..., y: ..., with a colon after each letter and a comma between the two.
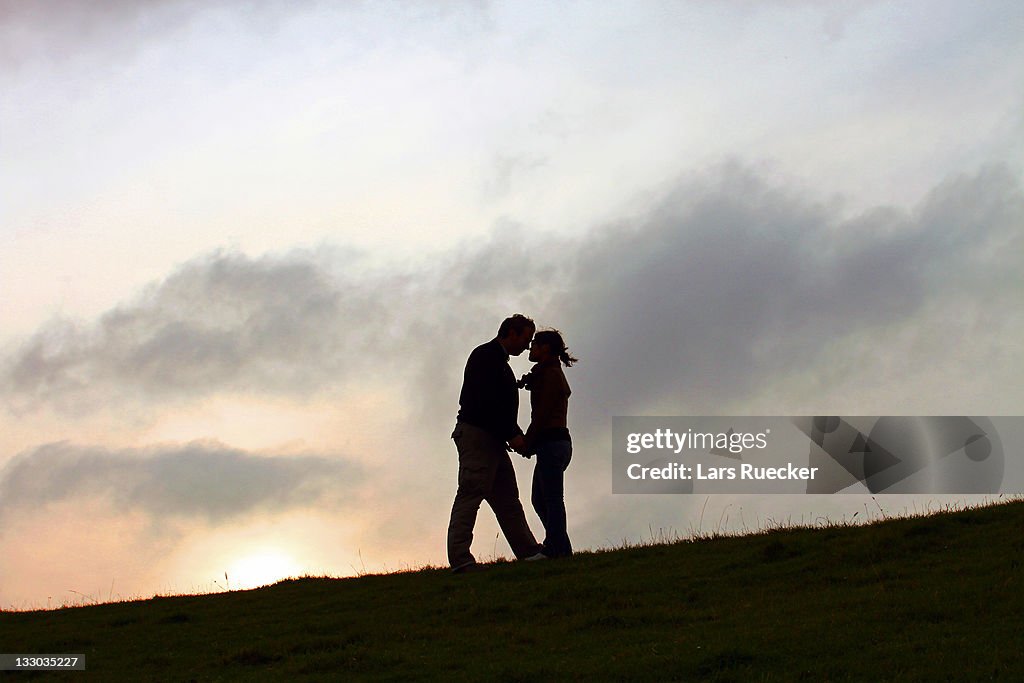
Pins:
x: 548, y: 495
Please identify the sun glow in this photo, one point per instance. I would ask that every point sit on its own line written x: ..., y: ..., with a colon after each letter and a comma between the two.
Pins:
x: 261, y: 569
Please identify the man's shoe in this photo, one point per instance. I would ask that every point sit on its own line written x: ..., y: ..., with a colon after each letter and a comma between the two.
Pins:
x: 470, y: 568
x: 534, y: 558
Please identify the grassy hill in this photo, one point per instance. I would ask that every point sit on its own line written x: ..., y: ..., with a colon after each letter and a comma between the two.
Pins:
x: 926, y: 598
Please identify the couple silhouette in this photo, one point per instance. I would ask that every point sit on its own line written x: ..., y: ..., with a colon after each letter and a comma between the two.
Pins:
x: 487, y: 429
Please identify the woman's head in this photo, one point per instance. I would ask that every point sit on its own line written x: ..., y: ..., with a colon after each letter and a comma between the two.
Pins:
x: 549, y: 344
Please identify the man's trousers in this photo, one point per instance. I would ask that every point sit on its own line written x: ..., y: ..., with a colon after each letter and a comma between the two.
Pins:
x: 485, y: 473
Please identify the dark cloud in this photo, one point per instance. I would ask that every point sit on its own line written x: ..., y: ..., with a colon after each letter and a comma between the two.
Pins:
x: 732, y: 281
x: 114, y: 32
x: 58, y: 30
x: 205, y: 480
x: 220, y: 322
x: 728, y: 282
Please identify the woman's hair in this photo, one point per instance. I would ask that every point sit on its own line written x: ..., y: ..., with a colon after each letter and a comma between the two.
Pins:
x: 553, y: 340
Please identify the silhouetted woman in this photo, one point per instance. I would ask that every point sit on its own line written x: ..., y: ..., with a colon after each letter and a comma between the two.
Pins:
x: 548, y: 436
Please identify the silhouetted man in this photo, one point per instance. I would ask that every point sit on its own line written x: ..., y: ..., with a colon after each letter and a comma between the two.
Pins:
x: 486, y: 427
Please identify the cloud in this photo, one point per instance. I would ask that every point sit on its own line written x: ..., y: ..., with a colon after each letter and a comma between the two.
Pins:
x: 219, y: 322
x: 729, y: 281
x: 60, y: 29
x: 206, y: 480
x: 732, y: 280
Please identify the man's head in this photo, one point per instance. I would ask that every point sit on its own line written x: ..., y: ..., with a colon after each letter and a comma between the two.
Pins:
x: 515, y: 334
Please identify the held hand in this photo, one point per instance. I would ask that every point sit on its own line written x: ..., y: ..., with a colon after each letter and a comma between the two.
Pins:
x: 517, y: 443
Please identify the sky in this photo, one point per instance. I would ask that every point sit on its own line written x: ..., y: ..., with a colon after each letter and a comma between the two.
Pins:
x: 246, y: 248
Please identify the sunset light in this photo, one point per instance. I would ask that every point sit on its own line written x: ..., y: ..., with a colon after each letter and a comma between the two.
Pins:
x: 262, y: 568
